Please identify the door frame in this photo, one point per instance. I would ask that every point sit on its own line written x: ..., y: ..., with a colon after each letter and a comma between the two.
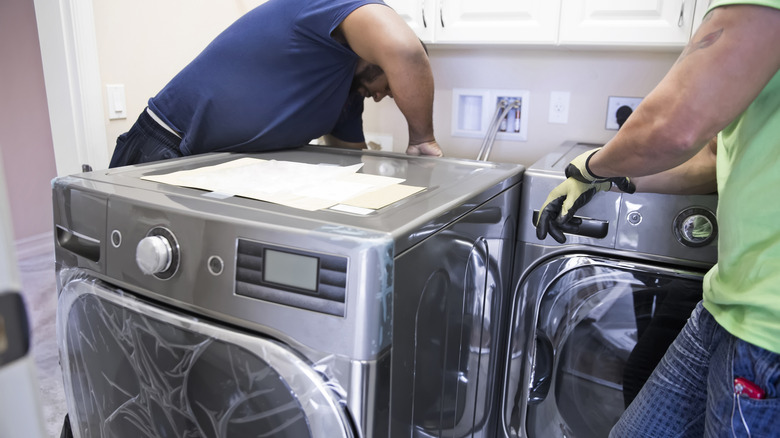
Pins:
x: 66, y: 31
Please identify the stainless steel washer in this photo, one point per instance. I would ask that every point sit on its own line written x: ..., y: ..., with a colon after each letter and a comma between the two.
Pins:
x: 592, y: 317
x: 185, y: 313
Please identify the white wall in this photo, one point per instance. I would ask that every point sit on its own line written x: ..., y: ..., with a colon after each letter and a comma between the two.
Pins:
x: 143, y: 50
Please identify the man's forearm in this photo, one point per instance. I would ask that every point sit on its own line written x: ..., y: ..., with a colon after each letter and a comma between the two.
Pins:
x: 695, y: 176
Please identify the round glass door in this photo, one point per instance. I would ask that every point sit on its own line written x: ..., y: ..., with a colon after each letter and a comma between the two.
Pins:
x: 601, y: 327
x: 134, y: 369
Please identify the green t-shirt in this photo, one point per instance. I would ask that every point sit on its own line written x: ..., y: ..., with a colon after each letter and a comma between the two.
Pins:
x: 743, y: 290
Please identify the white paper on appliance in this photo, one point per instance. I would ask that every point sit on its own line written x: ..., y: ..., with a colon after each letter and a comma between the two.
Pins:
x: 299, y: 185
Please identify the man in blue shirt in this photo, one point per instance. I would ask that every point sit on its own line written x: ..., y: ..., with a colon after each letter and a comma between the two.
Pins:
x: 288, y: 72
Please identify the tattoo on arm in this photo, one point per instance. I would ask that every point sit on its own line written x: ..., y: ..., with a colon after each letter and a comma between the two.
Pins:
x: 703, y: 43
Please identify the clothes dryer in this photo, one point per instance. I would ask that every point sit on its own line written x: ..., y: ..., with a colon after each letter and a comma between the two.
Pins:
x: 184, y: 312
x: 592, y: 317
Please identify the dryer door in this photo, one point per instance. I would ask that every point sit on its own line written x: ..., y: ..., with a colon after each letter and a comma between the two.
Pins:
x: 134, y: 369
x: 593, y: 329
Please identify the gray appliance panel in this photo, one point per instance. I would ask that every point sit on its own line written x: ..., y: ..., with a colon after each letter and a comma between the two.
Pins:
x: 450, y: 309
x: 452, y: 188
x: 101, y: 216
x: 639, y: 225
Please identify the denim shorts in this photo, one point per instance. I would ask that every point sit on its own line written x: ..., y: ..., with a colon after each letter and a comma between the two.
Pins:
x: 691, y: 393
x: 146, y: 141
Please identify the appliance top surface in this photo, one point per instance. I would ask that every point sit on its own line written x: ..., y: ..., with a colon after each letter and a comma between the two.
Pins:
x: 452, y: 186
x: 554, y: 163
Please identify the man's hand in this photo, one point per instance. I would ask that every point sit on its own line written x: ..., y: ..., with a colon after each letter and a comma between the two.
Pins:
x: 427, y: 148
x: 555, y: 216
x: 579, y: 170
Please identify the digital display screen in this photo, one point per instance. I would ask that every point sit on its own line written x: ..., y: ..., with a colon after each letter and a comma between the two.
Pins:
x: 289, y: 269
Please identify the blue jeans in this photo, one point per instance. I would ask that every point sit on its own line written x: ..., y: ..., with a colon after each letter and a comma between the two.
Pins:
x: 145, y: 141
x: 691, y: 392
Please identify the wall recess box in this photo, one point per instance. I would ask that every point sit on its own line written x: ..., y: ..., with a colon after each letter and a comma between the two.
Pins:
x: 474, y: 109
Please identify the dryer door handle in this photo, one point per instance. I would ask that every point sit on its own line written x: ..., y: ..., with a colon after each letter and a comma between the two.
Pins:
x: 584, y: 226
x: 541, y: 373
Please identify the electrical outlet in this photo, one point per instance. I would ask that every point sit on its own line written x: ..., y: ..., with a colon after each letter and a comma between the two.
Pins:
x: 559, y: 107
x: 614, y: 103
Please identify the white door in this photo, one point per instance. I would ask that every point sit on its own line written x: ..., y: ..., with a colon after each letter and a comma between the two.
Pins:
x: 497, y: 21
x: 627, y: 22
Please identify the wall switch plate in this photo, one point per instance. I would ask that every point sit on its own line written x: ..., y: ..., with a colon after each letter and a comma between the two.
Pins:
x: 559, y: 107
x: 117, y: 109
x: 614, y: 103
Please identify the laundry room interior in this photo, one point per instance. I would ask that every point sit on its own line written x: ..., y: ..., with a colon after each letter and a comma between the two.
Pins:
x: 82, y: 72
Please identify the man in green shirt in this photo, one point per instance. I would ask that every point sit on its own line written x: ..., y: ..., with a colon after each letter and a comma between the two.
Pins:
x: 718, y: 108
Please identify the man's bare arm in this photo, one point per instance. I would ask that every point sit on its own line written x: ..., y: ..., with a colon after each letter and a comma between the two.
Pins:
x: 729, y: 61
x: 380, y: 36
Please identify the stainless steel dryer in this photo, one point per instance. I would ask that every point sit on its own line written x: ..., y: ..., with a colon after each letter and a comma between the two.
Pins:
x: 265, y: 320
x: 592, y: 317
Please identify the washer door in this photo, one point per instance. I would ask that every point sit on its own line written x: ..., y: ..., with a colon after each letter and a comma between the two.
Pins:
x: 133, y: 369
x: 593, y: 330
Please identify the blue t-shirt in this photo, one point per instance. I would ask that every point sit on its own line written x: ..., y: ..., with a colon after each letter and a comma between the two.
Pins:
x: 274, y: 79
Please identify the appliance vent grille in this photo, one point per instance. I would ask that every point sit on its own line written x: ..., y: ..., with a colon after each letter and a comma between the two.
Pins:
x: 330, y: 296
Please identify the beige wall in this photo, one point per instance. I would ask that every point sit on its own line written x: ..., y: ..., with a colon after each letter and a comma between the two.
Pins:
x: 144, y: 50
x: 144, y: 43
x: 590, y: 76
x: 25, y: 135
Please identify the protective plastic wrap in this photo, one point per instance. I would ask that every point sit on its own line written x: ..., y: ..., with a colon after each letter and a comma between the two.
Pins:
x: 133, y: 369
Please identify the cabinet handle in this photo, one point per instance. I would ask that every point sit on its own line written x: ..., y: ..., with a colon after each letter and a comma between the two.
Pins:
x: 441, y: 13
x: 422, y: 12
x: 681, y: 20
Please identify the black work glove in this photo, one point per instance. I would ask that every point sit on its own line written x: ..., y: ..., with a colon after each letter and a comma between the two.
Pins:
x: 579, y: 170
x: 556, y: 215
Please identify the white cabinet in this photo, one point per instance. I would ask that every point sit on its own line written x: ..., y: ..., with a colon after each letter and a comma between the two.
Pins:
x: 418, y: 14
x: 627, y: 22
x: 481, y: 21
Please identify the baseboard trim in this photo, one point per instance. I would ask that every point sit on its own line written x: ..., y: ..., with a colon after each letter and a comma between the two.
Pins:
x: 35, y: 245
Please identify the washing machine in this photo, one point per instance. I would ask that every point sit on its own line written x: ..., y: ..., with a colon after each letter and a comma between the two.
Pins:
x: 593, y: 316
x: 196, y: 313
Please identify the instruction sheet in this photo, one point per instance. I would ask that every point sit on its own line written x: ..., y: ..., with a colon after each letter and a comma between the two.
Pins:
x: 298, y: 185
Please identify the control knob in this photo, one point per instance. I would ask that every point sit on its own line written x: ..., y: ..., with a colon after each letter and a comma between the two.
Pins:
x: 158, y: 253
x: 695, y: 227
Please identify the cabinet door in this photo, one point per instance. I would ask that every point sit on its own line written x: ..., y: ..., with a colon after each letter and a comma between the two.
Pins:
x: 418, y: 14
x: 663, y: 23
x: 497, y: 21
